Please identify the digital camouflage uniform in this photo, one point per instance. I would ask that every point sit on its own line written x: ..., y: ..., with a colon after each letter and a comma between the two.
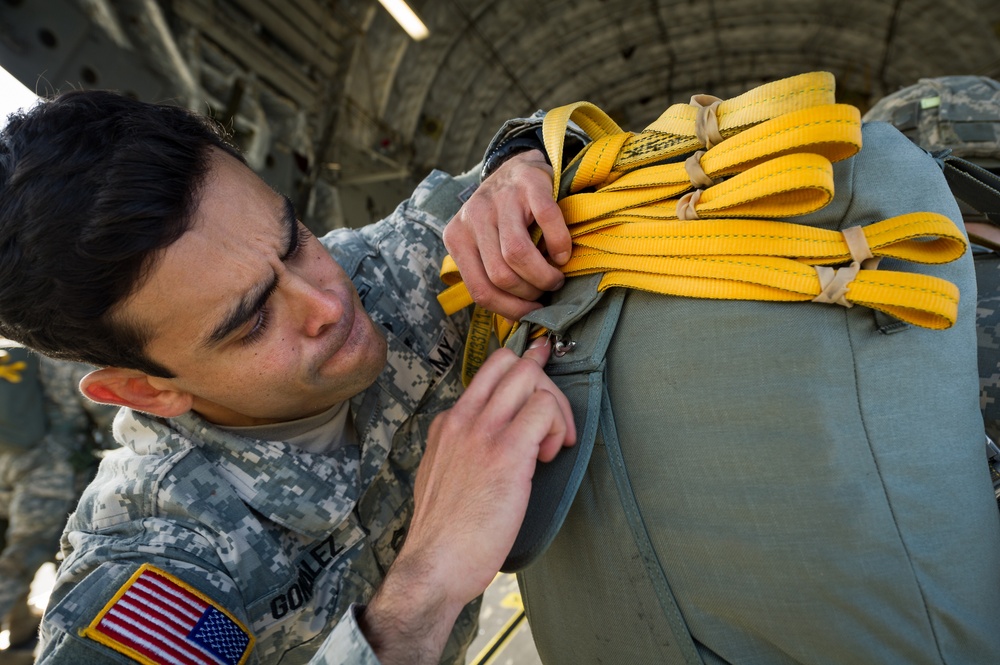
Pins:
x: 39, y: 485
x: 287, y: 542
x: 961, y: 114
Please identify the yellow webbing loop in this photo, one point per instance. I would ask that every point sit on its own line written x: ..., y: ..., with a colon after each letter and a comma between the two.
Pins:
x: 833, y: 131
x: 783, y: 187
x: 920, y: 237
x: 770, y: 260
x: 674, y: 132
x: 774, y: 161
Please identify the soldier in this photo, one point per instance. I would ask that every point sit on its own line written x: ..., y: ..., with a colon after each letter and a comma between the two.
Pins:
x: 40, y: 484
x: 280, y: 391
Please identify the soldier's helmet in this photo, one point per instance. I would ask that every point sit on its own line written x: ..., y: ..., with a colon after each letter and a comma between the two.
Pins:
x: 960, y: 113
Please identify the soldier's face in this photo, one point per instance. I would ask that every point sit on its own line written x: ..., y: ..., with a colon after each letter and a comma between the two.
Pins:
x: 249, y: 311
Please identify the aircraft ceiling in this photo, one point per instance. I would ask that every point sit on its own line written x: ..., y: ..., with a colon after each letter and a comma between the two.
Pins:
x: 335, y: 105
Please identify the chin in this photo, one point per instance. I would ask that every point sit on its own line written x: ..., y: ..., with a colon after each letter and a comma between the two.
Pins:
x: 361, y: 367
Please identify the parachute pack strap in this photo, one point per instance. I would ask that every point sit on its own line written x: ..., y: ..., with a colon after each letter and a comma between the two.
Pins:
x: 833, y: 131
x: 591, y: 119
x: 779, y: 261
x: 754, y: 106
x: 785, y: 186
x: 922, y: 300
x: 683, y: 646
x: 456, y: 296
x: 974, y: 185
x: 673, y: 133
x: 920, y: 237
x: 681, y: 129
x: 477, y: 343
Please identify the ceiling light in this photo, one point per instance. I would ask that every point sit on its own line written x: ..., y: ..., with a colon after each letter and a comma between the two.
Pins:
x: 407, y: 18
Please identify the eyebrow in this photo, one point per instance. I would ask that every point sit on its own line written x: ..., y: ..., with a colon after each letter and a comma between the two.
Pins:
x: 255, y: 298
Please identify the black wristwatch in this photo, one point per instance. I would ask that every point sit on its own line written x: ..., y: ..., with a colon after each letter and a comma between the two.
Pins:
x: 530, y: 139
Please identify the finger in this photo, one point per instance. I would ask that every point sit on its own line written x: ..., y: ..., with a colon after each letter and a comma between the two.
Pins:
x: 539, y: 350
x: 479, y: 285
x: 503, y: 253
x: 539, y: 426
x: 548, y: 215
x: 487, y: 379
x: 524, y: 258
x: 521, y: 386
x: 511, y: 392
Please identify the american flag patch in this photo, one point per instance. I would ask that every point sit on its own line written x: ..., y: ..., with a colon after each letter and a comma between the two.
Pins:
x: 157, y: 619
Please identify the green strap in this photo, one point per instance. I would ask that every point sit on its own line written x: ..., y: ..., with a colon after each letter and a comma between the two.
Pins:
x: 682, y: 645
x: 974, y: 185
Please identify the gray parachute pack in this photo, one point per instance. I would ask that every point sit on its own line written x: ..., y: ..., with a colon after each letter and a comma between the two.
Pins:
x: 957, y: 120
x: 769, y: 481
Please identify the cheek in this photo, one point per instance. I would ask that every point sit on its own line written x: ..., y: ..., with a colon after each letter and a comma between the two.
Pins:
x: 266, y: 367
x: 324, y: 271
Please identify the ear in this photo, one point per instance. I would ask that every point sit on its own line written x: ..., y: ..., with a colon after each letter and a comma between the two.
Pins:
x: 132, y: 388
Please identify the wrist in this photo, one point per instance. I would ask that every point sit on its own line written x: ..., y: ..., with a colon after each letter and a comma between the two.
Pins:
x: 521, y: 134
x: 511, y: 146
x: 411, y: 615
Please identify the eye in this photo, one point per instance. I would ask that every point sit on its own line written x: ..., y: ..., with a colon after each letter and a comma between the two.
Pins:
x: 304, y: 236
x: 259, y: 328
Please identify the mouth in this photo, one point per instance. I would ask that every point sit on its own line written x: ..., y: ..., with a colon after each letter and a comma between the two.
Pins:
x: 343, y: 336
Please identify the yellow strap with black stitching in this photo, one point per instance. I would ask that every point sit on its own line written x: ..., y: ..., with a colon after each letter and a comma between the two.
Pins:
x: 678, y: 130
x: 785, y: 186
x: 650, y: 222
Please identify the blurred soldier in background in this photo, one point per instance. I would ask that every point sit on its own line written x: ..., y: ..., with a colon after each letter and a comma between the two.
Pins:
x: 957, y: 120
x: 51, y: 438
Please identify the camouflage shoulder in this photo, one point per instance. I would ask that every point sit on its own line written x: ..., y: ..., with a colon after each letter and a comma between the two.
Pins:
x: 92, y: 616
x: 957, y: 113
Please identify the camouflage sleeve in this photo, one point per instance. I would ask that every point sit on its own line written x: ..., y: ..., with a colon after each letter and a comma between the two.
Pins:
x: 158, y: 612
x: 346, y: 645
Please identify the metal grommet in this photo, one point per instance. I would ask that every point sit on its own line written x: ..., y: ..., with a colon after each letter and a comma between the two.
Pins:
x: 562, y: 347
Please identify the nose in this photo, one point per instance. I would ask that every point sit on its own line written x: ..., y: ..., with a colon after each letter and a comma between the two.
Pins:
x: 316, y: 308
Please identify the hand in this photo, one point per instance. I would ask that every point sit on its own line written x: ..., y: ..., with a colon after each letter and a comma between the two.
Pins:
x: 490, y: 241
x: 470, y: 499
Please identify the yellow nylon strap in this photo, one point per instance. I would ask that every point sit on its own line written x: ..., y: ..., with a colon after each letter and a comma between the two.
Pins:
x: 673, y: 133
x: 833, y: 131
x: 674, y: 257
x: 923, y: 300
x: 774, y: 161
x: 769, y: 260
x: 920, y: 237
x: 477, y: 343
x: 785, y: 186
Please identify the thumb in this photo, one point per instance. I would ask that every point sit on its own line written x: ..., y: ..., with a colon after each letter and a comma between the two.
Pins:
x: 539, y: 350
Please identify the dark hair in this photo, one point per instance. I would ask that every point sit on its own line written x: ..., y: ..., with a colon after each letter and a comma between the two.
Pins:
x: 93, y: 186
